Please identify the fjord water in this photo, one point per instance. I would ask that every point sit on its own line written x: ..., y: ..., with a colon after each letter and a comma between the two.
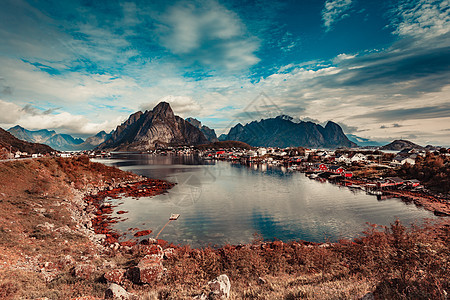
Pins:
x: 221, y: 203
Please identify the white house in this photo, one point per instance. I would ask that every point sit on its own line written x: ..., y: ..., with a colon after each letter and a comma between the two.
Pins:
x: 358, y: 157
x: 342, y: 158
x: 261, y: 151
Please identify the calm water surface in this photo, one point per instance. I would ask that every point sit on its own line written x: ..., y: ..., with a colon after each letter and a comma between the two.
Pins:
x: 221, y: 203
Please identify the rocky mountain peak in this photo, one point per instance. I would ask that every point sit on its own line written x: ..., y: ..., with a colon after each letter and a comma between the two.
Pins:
x: 158, y: 127
x: 282, y: 131
x: 163, y: 109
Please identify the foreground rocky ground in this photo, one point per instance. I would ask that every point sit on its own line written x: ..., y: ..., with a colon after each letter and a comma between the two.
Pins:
x: 55, y: 243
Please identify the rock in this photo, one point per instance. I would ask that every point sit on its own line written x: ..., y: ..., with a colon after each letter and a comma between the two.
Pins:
x: 169, y: 253
x: 46, y: 225
x: 201, y: 297
x: 115, y: 276
x: 368, y: 296
x: 148, y: 270
x: 261, y: 281
x: 220, y: 287
x: 83, y: 271
x: 67, y: 260
x: 153, y: 250
x: 116, y: 292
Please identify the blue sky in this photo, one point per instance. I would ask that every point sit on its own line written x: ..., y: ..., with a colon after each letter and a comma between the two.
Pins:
x: 379, y: 68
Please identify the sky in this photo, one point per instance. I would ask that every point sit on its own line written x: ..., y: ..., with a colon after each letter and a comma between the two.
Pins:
x: 379, y: 68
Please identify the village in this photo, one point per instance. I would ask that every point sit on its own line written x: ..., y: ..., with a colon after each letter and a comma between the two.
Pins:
x: 371, y: 170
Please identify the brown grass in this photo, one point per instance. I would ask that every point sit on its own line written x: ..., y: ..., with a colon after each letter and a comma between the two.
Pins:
x: 394, y: 262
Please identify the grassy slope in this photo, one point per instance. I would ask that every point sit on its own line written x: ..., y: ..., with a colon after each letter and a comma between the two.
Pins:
x: 396, y: 262
x: 34, y: 193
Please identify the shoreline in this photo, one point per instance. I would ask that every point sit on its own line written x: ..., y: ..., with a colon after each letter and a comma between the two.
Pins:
x: 49, y: 215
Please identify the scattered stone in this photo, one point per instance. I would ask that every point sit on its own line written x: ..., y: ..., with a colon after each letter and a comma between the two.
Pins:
x: 115, y: 276
x: 152, y: 250
x: 368, y: 296
x: 220, y: 287
x: 116, y: 292
x: 83, y: 271
x: 46, y: 225
x: 67, y: 260
x: 148, y: 270
x: 169, y: 253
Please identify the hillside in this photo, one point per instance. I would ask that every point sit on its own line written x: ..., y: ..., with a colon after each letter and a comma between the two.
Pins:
x: 399, y: 145
x: 48, y: 249
x: 9, y: 142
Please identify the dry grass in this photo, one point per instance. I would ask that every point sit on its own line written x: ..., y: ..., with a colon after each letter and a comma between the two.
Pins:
x: 395, y: 262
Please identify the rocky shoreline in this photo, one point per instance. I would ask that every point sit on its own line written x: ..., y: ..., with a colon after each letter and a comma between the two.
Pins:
x: 57, y: 243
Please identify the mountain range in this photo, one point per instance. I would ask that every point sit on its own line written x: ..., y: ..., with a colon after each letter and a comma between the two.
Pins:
x: 283, y: 132
x: 209, y: 133
x: 159, y: 127
x: 58, y: 141
x: 9, y: 143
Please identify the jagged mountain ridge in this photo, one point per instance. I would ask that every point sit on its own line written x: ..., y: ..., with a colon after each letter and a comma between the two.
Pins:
x: 58, y: 141
x: 49, y: 137
x: 10, y: 143
x: 159, y: 127
x: 283, y: 132
x: 209, y: 133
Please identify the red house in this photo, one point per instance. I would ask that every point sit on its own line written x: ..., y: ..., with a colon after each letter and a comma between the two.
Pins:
x: 336, y: 169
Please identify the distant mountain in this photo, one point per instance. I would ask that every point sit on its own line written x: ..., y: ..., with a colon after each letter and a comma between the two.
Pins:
x: 36, y: 136
x: 399, y: 145
x: 363, y: 142
x: 209, y: 133
x: 94, y: 141
x: 58, y: 141
x: 282, y: 131
x: 55, y: 140
x: 154, y: 128
x: 10, y: 142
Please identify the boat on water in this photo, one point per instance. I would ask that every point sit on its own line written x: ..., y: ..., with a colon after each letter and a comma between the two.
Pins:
x: 375, y: 192
x: 355, y: 186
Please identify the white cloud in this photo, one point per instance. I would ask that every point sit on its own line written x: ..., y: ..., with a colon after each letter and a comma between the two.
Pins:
x: 29, y: 82
x: 208, y: 33
x: 183, y: 106
x: 422, y: 18
x: 334, y: 11
x: 34, y: 119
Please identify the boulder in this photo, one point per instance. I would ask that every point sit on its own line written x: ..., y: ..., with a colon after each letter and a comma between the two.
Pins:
x: 83, y: 271
x: 67, y: 260
x: 151, y: 250
x: 169, y: 253
x: 148, y: 270
x: 115, y: 276
x: 368, y: 296
x: 116, y: 292
x: 220, y: 287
